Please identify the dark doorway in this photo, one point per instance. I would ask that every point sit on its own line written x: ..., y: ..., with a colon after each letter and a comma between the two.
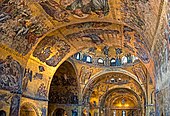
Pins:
x: 60, y: 112
x: 2, y: 113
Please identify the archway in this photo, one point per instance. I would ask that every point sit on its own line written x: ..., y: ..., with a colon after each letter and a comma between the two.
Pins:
x: 125, y: 106
x: 60, y: 112
x: 27, y: 110
x: 64, y: 90
x: 121, y: 102
x: 2, y: 113
x: 103, y: 93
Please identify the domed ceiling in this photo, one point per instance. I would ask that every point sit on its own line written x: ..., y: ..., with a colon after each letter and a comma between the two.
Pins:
x: 31, y: 19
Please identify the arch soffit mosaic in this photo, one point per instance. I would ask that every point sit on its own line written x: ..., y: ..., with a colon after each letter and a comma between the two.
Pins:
x: 115, y: 102
x: 112, y: 98
x: 65, y: 81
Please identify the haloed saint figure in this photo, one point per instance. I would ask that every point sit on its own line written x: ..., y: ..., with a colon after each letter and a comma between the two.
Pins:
x: 82, y: 7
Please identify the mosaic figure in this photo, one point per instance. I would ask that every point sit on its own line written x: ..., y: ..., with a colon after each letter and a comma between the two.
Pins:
x: 95, y: 38
x: 44, y: 50
x: 44, y: 111
x: 26, y: 79
x: 55, y: 10
x: 42, y: 92
x: 118, y: 61
x: 41, y: 69
x: 5, y: 98
x: 38, y: 76
x: 11, y: 74
x: 79, y: 7
x: 15, y: 105
x: 106, y: 50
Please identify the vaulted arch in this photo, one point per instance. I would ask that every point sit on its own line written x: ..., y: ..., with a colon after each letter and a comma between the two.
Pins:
x: 39, y: 38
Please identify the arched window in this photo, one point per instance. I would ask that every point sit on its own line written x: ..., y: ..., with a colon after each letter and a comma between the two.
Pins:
x: 60, y: 112
x: 74, y: 112
x: 112, y: 80
x: 123, y: 113
x: 88, y: 59
x: 134, y: 58
x: 2, y: 113
x: 77, y: 56
x: 114, y: 113
x: 84, y: 58
x: 100, y: 61
x: 124, y: 60
x: 113, y: 62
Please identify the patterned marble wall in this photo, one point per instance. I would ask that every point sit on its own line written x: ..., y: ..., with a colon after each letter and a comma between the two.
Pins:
x: 163, y: 98
x: 163, y: 70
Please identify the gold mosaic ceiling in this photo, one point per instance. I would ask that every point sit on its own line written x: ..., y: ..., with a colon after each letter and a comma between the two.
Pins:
x: 50, y: 31
x: 37, y: 17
